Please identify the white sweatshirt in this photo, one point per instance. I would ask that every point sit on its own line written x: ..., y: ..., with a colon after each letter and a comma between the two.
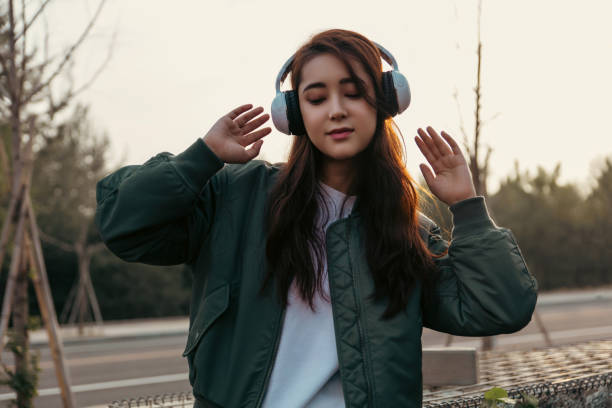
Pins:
x: 305, y: 372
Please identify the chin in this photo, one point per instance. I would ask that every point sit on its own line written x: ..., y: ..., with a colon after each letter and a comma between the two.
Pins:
x: 341, y: 156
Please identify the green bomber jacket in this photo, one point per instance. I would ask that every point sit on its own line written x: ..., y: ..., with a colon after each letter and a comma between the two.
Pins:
x: 192, y: 209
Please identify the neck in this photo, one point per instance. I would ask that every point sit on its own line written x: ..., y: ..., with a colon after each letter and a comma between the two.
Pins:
x: 339, y: 175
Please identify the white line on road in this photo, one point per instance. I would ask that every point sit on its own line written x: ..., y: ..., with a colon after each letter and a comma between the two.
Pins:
x: 506, y: 340
x: 108, y: 385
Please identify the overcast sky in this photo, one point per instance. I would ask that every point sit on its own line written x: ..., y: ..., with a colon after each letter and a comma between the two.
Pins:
x: 178, y: 66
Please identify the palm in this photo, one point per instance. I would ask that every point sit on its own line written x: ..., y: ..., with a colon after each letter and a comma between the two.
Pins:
x: 235, y: 140
x: 450, y: 180
x: 232, y: 133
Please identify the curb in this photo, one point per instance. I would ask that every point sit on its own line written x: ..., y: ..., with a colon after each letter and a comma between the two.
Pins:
x: 42, y: 342
x: 179, y: 326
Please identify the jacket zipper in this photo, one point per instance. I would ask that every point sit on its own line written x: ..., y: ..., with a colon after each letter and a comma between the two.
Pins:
x: 262, y: 392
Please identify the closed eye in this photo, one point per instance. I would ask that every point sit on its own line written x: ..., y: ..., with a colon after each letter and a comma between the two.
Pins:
x: 320, y: 100
x: 316, y: 101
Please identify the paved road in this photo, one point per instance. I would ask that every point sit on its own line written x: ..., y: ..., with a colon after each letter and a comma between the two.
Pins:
x: 110, y: 369
x: 102, y: 372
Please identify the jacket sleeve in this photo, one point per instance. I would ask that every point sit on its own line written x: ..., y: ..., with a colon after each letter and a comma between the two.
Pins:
x: 159, y: 212
x: 483, y: 287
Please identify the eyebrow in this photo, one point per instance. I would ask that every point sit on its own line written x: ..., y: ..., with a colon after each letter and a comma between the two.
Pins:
x: 322, y: 85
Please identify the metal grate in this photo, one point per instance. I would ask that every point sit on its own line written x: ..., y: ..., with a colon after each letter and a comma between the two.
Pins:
x: 592, y: 392
x: 576, y: 372
x: 578, y: 375
x: 174, y: 400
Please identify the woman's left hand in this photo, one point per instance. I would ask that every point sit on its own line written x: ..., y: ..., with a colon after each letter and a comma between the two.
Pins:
x: 450, y: 180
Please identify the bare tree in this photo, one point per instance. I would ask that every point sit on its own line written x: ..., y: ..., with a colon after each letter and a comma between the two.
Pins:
x: 479, y: 165
x: 82, y: 294
x: 28, y: 106
x: 478, y: 162
x: 65, y: 177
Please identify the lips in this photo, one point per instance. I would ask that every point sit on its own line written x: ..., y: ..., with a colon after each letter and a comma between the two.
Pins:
x: 340, y: 133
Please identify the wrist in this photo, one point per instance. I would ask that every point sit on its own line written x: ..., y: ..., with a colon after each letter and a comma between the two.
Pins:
x: 461, y: 198
x: 212, y: 147
x: 470, y: 215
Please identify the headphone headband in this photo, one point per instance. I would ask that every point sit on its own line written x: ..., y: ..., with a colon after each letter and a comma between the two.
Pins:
x: 284, y: 70
x: 285, y: 108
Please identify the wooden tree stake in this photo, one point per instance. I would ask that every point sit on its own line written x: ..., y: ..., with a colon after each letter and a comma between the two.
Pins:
x: 47, y: 310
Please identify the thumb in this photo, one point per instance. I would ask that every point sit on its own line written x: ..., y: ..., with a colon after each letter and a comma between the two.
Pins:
x: 253, y: 151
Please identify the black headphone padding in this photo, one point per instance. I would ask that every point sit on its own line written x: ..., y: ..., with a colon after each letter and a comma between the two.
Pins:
x: 389, y: 93
x: 296, y: 124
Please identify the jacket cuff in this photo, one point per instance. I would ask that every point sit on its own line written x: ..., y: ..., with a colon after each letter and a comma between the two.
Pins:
x: 469, y: 216
x: 197, y: 164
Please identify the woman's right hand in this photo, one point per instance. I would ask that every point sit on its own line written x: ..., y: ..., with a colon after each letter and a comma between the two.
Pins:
x: 232, y: 133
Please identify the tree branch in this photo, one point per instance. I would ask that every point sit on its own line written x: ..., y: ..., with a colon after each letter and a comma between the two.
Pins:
x: 15, y: 101
x: 4, y: 161
x: 100, y: 68
x: 3, y: 64
x: 56, y: 242
x: 94, y: 248
x: 486, y: 160
x: 466, y: 144
x: 56, y: 107
x: 67, y: 56
x: 490, y: 119
x: 23, y: 51
x: 28, y: 151
x: 27, y: 25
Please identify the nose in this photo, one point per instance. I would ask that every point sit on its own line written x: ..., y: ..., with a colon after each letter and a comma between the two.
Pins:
x: 336, y: 108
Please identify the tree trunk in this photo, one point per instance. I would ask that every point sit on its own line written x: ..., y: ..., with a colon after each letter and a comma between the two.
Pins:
x: 11, y: 281
x: 83, y: 292
x: 92, y: 294
x: 20, y: 323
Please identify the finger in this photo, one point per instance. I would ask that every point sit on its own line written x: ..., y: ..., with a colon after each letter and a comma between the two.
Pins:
x: 232, y: 126
x: 427, y: 174
x: 241, y: 109
x: 246, y: 117
x: 453, y: 144
x: 253, y: 151
x: 254, y: 124
x: 430, y: 143
x: 255, y: 136
x: 441, y: 145
x: 424, y: 148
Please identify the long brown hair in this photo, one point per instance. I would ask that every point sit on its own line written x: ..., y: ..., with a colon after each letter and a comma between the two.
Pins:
x: 397, y: 256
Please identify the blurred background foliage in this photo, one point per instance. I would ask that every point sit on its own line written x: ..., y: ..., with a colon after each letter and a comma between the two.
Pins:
x: 564, y: 235
x: 64, y: 180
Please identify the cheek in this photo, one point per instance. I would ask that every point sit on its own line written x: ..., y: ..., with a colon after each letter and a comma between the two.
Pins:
x: 369, y: 120
x: 312, y: 120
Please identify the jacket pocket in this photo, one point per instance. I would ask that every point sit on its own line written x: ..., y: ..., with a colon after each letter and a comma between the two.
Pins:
x: 210, y: 309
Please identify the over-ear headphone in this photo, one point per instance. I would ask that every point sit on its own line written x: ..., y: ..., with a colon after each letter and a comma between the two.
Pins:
x: 285, y: 110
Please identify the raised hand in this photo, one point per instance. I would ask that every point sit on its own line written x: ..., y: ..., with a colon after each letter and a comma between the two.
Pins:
x: 232, y: 133
x: 450, y: 180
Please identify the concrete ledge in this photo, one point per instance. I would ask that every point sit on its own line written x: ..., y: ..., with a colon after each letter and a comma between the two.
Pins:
x: 450, y: 366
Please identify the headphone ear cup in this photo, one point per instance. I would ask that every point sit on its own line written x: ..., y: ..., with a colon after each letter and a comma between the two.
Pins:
x: 396, y: 91
x: 279, y: 113
x: 296, y: 124
x: 389, y: 94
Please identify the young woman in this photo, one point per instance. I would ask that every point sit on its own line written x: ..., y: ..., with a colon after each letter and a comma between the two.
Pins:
x: 312, y: 279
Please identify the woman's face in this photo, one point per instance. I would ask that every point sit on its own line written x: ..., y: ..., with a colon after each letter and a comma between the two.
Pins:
x: 338, y: 121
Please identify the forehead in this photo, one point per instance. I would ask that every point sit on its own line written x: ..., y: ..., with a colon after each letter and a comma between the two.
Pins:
x: 330, y: 70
